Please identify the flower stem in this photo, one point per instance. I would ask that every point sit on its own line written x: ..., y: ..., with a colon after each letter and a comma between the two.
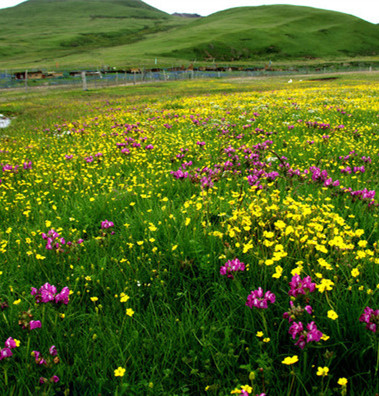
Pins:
x: 264, y: 322
x: 5, y: 376
x: 292, y: 382
x: 377, y: 357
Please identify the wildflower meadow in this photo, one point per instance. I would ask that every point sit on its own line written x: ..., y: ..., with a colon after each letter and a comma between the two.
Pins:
x: 191, y: 242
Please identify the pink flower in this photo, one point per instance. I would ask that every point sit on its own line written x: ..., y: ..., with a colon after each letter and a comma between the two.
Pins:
x: 53, y: 350
x: 5, y: 352
x: 232, y: 266
x: 258, y: 300
x: 34, y: 324
x: 299, y: 286
x: 371, y: 318
x: 10, y: 343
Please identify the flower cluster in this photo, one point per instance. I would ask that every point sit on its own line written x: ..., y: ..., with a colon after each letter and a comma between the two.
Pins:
x: 47, y: 293
x: 56, y: 242
x: 258, y: 300
x: 40, y: 360
x: 371, y: 318
x: 26, y: 321
x: 6, y: 352
x: 301, y: 286
x: 107, y: 227
x: 232, y: 266
x: 305, y: 335
x: 296, y: 311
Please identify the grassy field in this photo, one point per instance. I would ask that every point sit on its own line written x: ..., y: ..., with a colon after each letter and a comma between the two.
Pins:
x: 193, y: 238
x: 127, y: 33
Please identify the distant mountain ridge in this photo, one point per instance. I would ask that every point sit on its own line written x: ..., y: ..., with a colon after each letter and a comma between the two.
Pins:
x: 131, y: 32
x: 185, y: 15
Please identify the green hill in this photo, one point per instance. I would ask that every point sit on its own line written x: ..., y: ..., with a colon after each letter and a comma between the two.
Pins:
x: 278, y: 32
x: 44, y: 30
x: 79, y: 33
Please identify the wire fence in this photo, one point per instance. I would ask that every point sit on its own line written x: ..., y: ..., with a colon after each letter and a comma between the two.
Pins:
x: 94, y: 80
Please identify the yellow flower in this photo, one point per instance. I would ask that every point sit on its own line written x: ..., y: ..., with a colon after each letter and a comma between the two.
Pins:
x: 120, y: 372
x: 188, y: 220
x: 355, y: 272
x: 326, y: 284
x: 94, y: 299
x: 332, y: 315
x: 39, y: 257
x: 322, y: 371
x: 267, y: 339
x: 259, y: 334
x: 342, y: 381
x: 129, y: 312
x: 18, y: 342
x: 124, y: 298
x: 247, y: 388
x: 278, y: 272
x: 16, y: 302
x: 290, y: 360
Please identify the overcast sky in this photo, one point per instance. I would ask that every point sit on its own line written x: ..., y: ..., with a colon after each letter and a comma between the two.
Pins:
x: 365, y: 9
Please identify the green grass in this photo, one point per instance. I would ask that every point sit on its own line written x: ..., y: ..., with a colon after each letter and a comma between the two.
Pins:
x: 35, y: 34
x: 191, y: 332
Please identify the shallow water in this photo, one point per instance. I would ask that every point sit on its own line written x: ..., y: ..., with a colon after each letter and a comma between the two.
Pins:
x: 4, y: 121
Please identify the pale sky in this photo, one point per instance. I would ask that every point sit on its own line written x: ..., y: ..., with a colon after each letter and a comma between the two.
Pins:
x: 365, y: 9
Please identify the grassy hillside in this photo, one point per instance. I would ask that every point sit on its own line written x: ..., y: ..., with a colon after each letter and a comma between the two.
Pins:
x: 271, y: 31
x: 41, y: 33
x: 46, y: 30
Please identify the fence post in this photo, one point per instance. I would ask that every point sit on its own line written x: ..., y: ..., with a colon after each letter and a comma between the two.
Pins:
x: 26, y: 80
x: 84, y: 79
x: 134, y: 77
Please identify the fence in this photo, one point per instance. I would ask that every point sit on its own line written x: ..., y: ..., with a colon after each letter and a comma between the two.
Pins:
x: 91, y: 80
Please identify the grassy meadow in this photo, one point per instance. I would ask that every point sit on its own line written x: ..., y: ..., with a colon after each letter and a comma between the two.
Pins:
x: 191, y: 238
x: 129, y: 33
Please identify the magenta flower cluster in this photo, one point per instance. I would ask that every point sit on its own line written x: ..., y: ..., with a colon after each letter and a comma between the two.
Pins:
x: 55, y: 242
x: 306, y: 335
x: 107, y: 227
x: 232, y: 266
x: 259, y: 300
x: 6, y: 352
x: 40, y: 360
x: 296, y: 311
x: 301, y: 286
x: 47, y: 293
x: 106, y: 224
x: 371, y: 318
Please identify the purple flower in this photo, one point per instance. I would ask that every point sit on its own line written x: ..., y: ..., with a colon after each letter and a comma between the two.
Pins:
x: 5, y: 352
x: 106, y: 224
x: 258, y: 300
x: 232, y: 266
x: 311, y: 333
x: 53, y: 350
x: 299, y: 286
x: 63, y: 296
x: 296, y: 312
x: 47, y: 293
x: 10, y: 343
x: 54, y: 378
x: 34, y: 324
x: 371, y: 318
